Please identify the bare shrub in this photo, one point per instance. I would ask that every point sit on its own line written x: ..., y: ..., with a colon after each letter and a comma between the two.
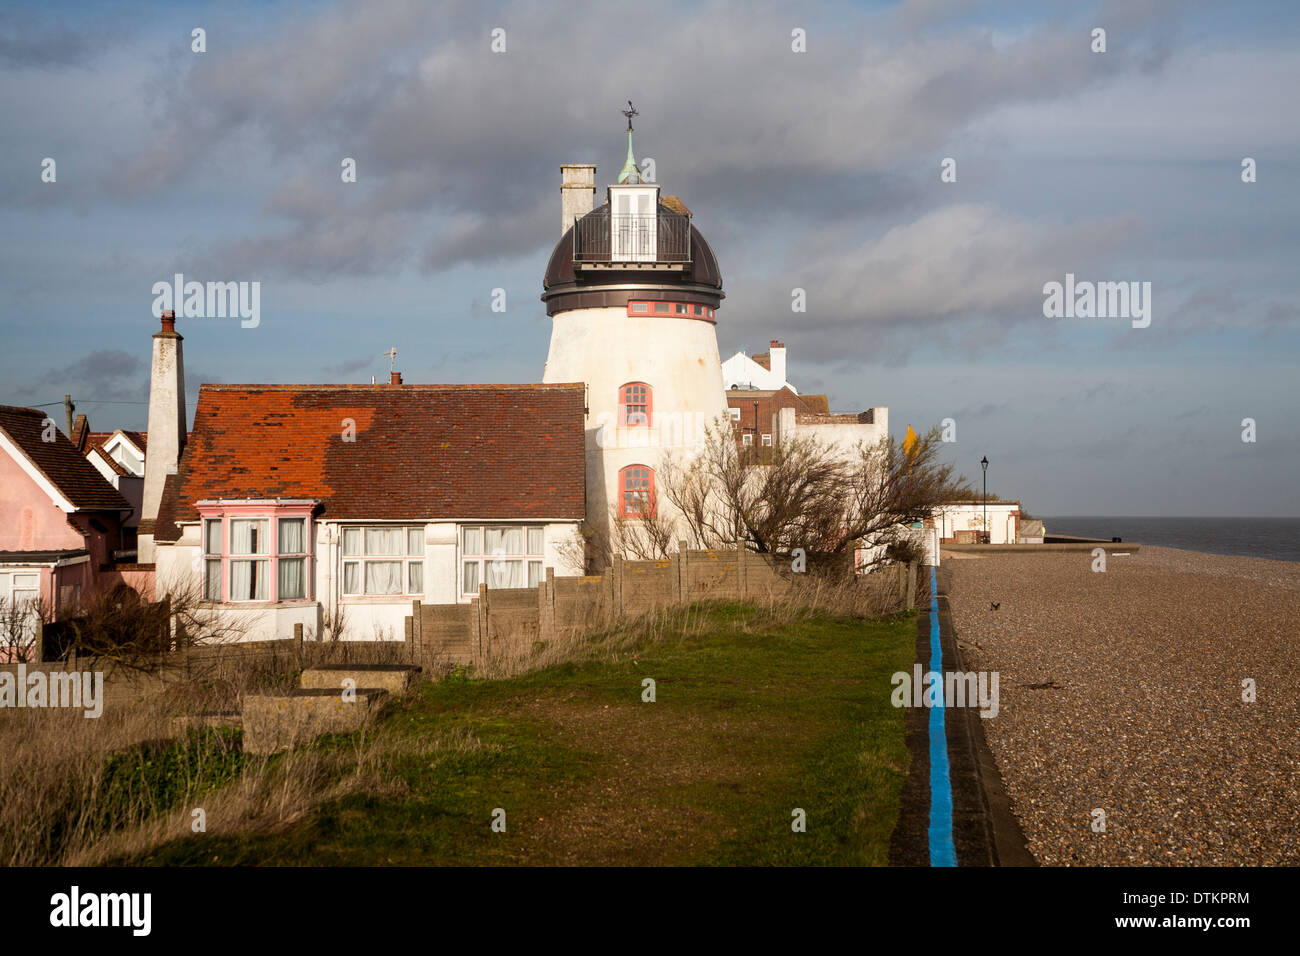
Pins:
x: 18, y: 622
x: 805, y: 494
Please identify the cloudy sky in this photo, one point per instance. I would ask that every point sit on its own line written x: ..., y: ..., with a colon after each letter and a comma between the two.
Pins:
x: 817, y: 170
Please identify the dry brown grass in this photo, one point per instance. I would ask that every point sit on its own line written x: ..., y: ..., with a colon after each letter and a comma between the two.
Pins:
x: 57, y: 806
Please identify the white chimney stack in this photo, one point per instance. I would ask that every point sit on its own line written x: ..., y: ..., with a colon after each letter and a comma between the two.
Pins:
x: 776, y: 361
x: 577, y: 192
x: 166, y: 436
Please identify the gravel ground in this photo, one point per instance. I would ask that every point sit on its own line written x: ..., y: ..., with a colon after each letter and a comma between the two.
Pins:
x: 1143, y: 715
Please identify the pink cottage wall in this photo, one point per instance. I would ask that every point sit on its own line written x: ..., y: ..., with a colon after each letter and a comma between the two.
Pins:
x: 29, y: 520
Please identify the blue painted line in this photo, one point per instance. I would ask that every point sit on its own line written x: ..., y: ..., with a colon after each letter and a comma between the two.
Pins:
x: 942, y: 850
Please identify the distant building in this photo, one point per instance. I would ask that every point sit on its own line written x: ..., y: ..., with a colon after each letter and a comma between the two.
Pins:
x: 60, y: 520
x: 120, y: 457
x: 765, y: 371
x: 765, y: 408
x: 962, y: 522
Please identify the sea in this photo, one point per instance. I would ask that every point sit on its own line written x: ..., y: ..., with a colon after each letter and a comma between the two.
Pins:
x: 1275, y: 538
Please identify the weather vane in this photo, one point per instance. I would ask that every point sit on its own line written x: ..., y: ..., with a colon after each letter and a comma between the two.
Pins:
x: 629, y: 113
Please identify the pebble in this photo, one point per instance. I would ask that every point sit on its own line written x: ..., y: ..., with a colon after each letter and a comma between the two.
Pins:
x: 1146, y: 719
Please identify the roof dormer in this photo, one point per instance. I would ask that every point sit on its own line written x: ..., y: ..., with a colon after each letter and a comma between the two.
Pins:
x: 633, y: 222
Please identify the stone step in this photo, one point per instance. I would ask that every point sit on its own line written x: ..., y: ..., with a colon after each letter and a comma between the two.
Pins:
x: 394, y: 678
x: 275, y: 723
x: 213, y: 718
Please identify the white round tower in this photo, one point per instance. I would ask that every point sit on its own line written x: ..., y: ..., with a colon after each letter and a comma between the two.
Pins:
x: 633, y: 290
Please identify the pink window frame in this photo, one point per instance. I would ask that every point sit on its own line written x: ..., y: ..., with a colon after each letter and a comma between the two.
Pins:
x: 622, y: 492
x: 224, y: 511
x: 623, y: 404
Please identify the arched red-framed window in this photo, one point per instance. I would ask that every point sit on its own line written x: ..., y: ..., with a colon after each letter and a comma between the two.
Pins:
x: 636, y: 491
x: 634, y: 404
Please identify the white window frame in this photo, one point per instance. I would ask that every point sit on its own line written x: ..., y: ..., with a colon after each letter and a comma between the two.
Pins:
x: 412, y: 554
x: 747, y: 439
x: 533, y: 560
x: 733, y: 414
x: 767, y: 441
x: 30, y: 591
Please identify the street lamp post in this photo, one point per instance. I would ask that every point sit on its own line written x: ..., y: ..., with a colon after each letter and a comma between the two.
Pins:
x: 984, y: 463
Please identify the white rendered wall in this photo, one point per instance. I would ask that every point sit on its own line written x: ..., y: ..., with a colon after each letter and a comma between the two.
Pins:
x: 366, y: 618
x: 743, y: 371
x: 951, y: 518
x: 606, y: 348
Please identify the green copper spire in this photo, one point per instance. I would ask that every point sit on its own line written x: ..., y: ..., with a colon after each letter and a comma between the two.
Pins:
x: 630, y: 174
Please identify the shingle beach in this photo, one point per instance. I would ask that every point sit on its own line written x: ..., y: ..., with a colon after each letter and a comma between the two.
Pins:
x: 1122, y: 691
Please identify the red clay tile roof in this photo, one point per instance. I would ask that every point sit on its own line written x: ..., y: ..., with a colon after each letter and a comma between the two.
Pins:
x: 106, y: 458
x: 60, y: 462
x: 421, y: 452
x: 141, y: 439
x: 100, y: 438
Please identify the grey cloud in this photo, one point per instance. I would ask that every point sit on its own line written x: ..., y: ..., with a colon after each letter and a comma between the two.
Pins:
x: 439, y: 124
x: 104, y: 374
x: 35, y: 44
x: 953, y: 265
x: 349, y: 367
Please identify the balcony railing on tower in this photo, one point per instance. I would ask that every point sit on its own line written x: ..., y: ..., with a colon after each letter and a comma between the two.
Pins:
x: 653, y: 237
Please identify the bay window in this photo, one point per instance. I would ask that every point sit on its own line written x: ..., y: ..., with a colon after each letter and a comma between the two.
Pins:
x: 212, y: 551
x: 293, y: 558
x: 248, y: 562
x: 256, y: 551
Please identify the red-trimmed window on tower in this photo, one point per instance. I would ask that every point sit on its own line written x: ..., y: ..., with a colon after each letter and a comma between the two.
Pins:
x: 636, y: 491
x: 634, y: 401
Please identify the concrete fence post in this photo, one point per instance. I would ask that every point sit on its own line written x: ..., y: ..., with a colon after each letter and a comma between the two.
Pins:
x: 483, y: 638
x: 546, y: 606
x: 742, y: 582
x: 38, y: 645
x: 618, y: 586
x: 681, y: 571
x: 417, y: 629
x: 911, y: 585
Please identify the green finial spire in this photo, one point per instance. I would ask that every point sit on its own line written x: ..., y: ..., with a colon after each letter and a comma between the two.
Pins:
x: 630, y: 174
